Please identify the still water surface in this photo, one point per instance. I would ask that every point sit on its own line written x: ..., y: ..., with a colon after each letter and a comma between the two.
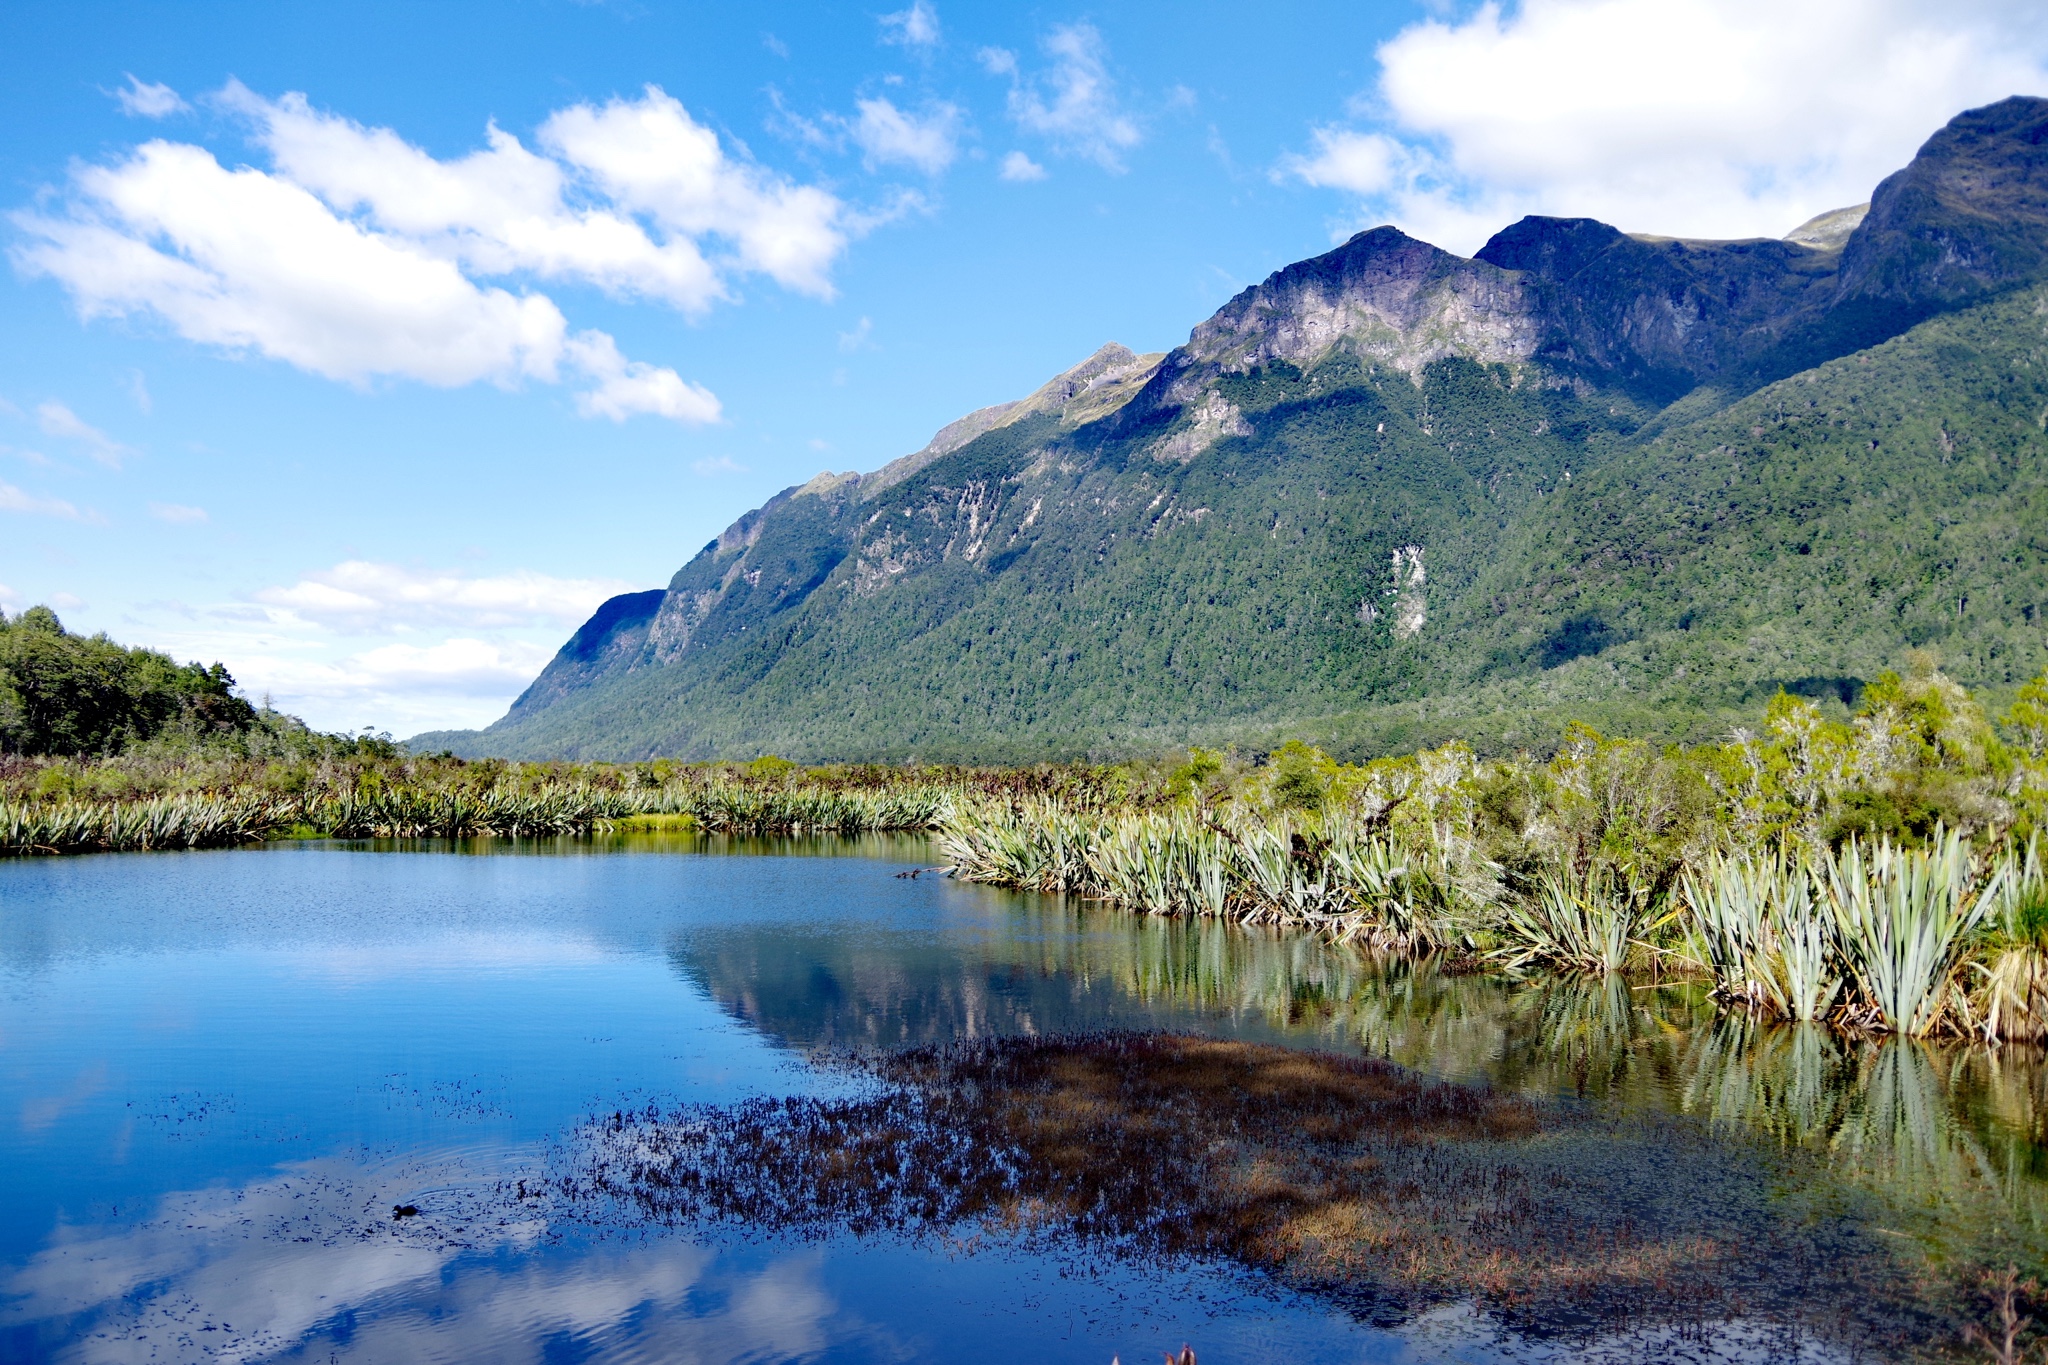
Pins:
x: 220, y: 1073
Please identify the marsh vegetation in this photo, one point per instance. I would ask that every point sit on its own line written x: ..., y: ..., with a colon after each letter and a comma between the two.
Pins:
x: 1878, y: 871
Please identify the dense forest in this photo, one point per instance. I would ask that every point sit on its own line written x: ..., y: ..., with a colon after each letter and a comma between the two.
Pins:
x: 62, y: 693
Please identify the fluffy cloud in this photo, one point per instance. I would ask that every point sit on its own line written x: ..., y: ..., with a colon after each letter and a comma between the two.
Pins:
x: 624, y: 387
x: 357, y: 256
x: 1073, y: 103
x: 916, y: 27
x: 460, y: 681
x: 886, y: 134
x: 1712, y: 118
x: 1344, y: 159
x: 649, y: 156
x: 54, y: 419
x: 454, y: 667
x: 177, y: 513
x: 1019, y: 167
x: 142, y: 99
x: 496, y: 211
x: 361, y: 595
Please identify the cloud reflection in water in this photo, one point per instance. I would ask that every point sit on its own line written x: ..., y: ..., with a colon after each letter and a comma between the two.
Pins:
x: 310, y: 1262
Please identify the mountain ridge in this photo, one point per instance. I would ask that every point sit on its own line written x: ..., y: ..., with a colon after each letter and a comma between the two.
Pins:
x: 1109, y: 512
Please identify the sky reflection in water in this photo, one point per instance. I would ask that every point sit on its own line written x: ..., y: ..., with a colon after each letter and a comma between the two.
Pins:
x: 220, y: 1072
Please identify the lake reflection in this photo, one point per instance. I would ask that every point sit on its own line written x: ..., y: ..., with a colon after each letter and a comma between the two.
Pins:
x: 221, y: 1072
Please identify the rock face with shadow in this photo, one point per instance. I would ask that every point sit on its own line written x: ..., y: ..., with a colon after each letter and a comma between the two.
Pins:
x: 1607, y: 447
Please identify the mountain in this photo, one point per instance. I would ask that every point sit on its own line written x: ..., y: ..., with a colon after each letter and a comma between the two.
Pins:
x: 1391, y: 494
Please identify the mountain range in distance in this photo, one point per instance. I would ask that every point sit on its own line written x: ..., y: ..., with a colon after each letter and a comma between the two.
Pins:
x: 1392, y: 495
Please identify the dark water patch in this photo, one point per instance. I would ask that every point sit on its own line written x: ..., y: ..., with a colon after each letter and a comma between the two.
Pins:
x: 1352, y: 1179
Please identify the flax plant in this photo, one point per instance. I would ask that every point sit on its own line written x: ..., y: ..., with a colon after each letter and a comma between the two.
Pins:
x: 1588, y: 921
x: 1903, y: 917
x: 1759, y: 927
x: 2013, y: 996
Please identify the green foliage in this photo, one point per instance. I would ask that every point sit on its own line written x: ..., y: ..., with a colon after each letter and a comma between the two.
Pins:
x: 1301, y: 777
x: 70, y: 694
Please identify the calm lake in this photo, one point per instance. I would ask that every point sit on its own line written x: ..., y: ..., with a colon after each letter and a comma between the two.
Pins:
x: 221, y: 1074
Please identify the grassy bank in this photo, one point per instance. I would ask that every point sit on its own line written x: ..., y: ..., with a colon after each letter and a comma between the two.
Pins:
x: 1879, y: 871
x: 170, y: 800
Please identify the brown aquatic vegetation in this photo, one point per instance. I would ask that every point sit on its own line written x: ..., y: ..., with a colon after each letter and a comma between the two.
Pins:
x: 1349, y: 1177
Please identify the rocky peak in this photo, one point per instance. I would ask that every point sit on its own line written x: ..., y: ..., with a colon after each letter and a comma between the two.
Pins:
x: 1968, y: 216
x: 1553, y: 248
x: 1096, y: 387
x: 1384, y: 295
x: 1830, y: 230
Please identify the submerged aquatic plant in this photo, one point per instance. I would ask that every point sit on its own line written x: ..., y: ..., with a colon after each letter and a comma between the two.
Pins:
x: 1334, y: 1173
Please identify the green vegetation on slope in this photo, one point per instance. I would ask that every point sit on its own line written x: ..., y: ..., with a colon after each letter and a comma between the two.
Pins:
x: 1801, y: 537
x: 1119, y: 602
x: 1391, y: 494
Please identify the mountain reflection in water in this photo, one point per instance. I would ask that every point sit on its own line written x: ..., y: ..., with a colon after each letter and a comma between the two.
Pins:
x: 221, y: 1073
x: 1954, y: 1131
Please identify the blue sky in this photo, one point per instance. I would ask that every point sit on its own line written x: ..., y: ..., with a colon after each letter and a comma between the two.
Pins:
x: 366, y: 347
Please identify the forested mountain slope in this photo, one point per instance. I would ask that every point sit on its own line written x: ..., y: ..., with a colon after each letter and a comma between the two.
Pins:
x: 1392, y: 492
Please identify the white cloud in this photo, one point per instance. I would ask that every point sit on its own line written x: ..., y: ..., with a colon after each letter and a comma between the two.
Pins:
x: 54, y: 419
x: 358, y: 256
x: 1073, y: 104
x: 144, y: 99
x: 252, y: 261
x: 649, y: 156
x: 9, y: 597
x: 177, y: 513
x: 626, y: 387
x: 1710, y: 118
x: 1363, y: 163
x: 13, y: 499
x: 886, y: 134
x: 401, y: 687
x: 916, y: 27
x: 496, y: 211
x: 138, y: 389
x: 361, y: 595
x: 1019, y: 167
x: 713, y: 466
x: 463, y: 667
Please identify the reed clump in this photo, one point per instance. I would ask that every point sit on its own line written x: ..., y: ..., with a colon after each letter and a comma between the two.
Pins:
x: 1875, y: 874
x: 160, y: 823
x: 90, y: 812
